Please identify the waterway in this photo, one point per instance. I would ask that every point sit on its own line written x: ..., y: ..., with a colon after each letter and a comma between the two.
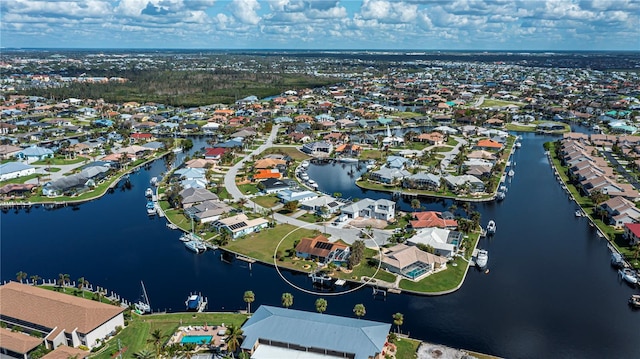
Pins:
x: 550, y: 292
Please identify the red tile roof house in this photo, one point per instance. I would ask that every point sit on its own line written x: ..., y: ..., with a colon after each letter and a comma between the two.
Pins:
x: 62, y: 319
x: 320, y: 249
x: 214, y: 153
x: 632, y: 233
x: 141, y: 136
x: 430, y: 219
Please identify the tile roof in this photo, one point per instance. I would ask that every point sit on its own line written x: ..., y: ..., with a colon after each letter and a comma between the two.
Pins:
x: 18, y: 342
x: 53, y: 309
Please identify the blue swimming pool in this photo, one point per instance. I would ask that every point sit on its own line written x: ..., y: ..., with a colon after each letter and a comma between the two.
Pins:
x: 197, y: 339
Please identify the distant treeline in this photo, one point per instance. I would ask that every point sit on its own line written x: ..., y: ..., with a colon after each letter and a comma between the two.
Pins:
x: 185, y: 88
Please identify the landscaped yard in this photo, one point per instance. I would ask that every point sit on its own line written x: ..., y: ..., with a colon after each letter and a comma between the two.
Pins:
x: 441, y: 281
x: 61, y: 161
x: 406, y: 348
x: 248, y: 188
x: 134, y: 337
x: 266, y: 201
x: 292, y: 152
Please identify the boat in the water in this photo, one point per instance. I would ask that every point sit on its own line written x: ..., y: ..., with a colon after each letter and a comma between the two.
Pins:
x: 634, y: 300
x: 628, y: 275
x: 617, y: 260
x: 304, y: 176
x: 511, y: 173
x: 154, y: 181
x: 491, y: 227
x: 349, y: 160
x: 482, y: 258
x: 148, y: 192
x: 151, y: 208
x: 177, y: 150
x: 195, y: 246
x: 312, y: 183
x: 143, y: 306
x: 500, y: 195
x: 579, y: 213
x: 518, y: 144
x: 195, y: 302
x: 304, y: 164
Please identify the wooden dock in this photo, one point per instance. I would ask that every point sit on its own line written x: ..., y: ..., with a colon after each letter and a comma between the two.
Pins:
x: 245, y: 259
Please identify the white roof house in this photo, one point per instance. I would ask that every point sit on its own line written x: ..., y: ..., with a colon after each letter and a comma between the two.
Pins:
x: 436, y: 238
x: 369, y: 208
x: 11, y: 170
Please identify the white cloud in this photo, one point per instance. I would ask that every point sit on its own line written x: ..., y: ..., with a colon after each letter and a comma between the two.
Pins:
x: 245, y: 11
x: 386, y: 11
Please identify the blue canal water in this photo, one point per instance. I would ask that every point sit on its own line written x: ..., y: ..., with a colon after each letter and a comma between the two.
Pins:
x: 550, y: 293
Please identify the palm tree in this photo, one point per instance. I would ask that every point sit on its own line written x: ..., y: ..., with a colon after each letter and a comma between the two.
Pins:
x: 143, y: 354
x: 82, y: 283
x: 34, y: 279
x: 415, y: 203
x: 63, y: 279
x: 157, y: 339
x: 249, y: 297
x: 321, y: 305
x: 287, y: 300
x: 398, y: 319
x: 234, y: 337
x: 20, y: 276
x: 359, y: 310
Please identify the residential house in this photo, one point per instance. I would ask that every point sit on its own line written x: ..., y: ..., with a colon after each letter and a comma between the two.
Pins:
x: 422, y: 180
x: 240, y: 225
x: 208, y: 211
x: 76, y: 183
x: 398, y: 162
x: 369, y: 208
x: 269, y: 163
x: 325, y: 205
x: 274, y: 185
x: 321, y: 250
x: 472, y: 183
x: 193, y: 196
x: 214, y: 153
x: 444, y: 242
x: 349, y: 149
x: 410, y: 261
x: 433, y: 138
x: 59, y: 318
x: 318, y: 149
x: 271, y: 173
x: 620, y: 211
x: 429, y: 219
x: 632, y: 233
x: 274, y: 332
x: 8, y: 151
x: 12, y: 170
x: 34, y: 154
x: 389, y: 175
x: 488, y: 144
x: 290, y: 195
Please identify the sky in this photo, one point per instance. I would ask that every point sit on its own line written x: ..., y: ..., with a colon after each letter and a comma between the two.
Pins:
x: 513, y: 25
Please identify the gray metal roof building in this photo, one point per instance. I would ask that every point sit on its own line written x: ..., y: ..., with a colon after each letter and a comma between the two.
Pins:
x: 322, y: 334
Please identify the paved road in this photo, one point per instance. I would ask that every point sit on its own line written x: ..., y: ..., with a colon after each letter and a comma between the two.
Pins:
x: 621, y: 169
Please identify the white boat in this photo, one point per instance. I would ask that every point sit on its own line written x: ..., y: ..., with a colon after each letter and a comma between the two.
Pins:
x: 349, y: 160
x: 177, y: 150
x: 371, y: 166
x: 195, y: 246
x: 143, y: 305
x: 195, y: 302
x: 148, y: 192
x: 491, y: 227
x: 500, y: 195
x: 151, y: 208
x: 579, y: 213
x: 154, y: 181
x: 304, y: 176
x: 634, y: 301
x: 312, y: 183
x: 628, y: 275
x: 518, y: 145
x: 511, y: 173
x: 304, y: 164
x: 482, y: 258
x: 617, y: 260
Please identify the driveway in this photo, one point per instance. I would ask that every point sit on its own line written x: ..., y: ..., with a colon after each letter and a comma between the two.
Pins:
x: 621, y: 169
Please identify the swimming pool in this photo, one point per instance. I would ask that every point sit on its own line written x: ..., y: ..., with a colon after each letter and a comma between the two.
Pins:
x: 198, y: 339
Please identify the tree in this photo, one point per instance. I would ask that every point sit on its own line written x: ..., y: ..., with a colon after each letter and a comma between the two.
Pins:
x: 321, y: 305
x: 20, y: 276
x: 356, y: 254
x: 287, y: 300
x: 359, y: 310
x: 291, y: 206
x: 415, y: 203
x: 249, y: 297
x: 598, y: 197
x: 82, y: 283
x: 144, y: 354
x: 63, y: 279
x: 157, y: 339
x: 398, y: 319
x: 234, y: 336
x: 34, y: 279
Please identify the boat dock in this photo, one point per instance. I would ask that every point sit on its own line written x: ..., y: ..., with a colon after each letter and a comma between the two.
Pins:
x: 245, y: 259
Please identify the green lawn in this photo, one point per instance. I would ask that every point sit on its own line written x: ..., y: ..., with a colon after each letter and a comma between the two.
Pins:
x: 266, y: 201
x: 519, y: 128
x: 452, y: 141
x: 499, y: 103
x: 309, y: 218
x: 442, y: 149
x: 438, y: 282
x: 77, y: 293
x: 371, y: 154
x: 134, y: 337
x: 261, y: 246
x: 248, y: 188
x: 406, y: 348
x: 22, y: 179
x: 292, y: 152
x: 62, y: 161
